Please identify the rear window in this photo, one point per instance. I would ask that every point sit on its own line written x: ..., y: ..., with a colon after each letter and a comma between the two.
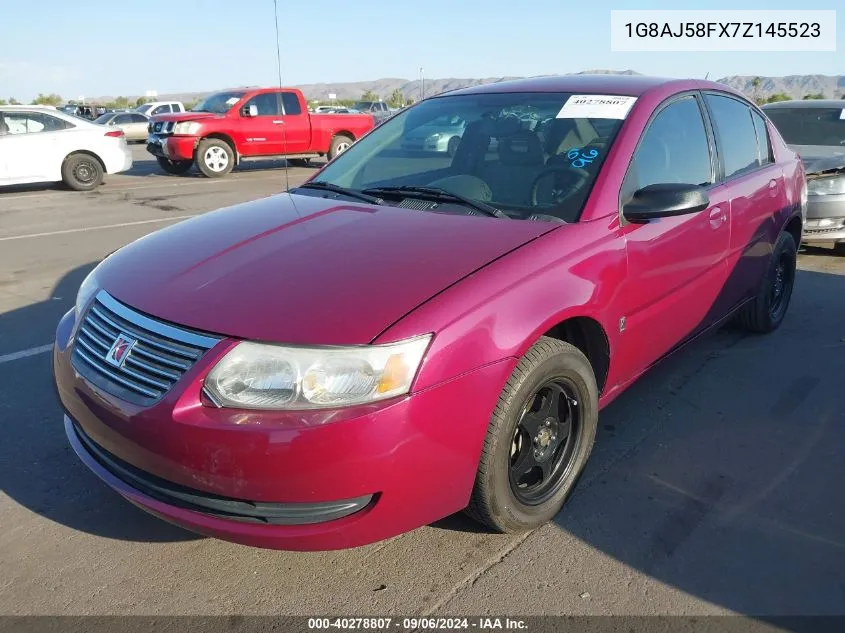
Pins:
x: 810, y: 126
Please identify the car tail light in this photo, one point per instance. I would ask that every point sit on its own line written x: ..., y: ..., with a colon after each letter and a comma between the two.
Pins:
x: 115, y: 133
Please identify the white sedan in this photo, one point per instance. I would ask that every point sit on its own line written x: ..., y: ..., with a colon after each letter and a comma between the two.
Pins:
x: 43, y: 144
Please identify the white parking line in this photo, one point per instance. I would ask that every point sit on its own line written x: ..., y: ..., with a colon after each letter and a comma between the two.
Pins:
x: 97, y: 228
x: 32, y: 351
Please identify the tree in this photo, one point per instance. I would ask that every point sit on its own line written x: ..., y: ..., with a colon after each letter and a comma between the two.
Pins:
x: 778, y: 96
x: 13, y: 101
x: 397, y: 99
x: 369, y: 95
x: 51, y: 99
x: 3, y: 102
x: 140, y: 101
x: 755, y: 89
x: 409, y: 101
x: 817, y: 95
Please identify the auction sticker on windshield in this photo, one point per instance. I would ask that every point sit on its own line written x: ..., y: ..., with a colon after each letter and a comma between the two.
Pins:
x: 596, y: 107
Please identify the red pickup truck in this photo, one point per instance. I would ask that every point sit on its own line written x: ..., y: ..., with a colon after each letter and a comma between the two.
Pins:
x: 231, y: 126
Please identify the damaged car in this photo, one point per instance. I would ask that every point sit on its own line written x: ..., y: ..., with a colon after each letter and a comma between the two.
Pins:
x: 816, y: 130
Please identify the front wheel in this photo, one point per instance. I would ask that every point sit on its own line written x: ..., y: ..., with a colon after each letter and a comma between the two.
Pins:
x: 82, y: 172
x: 766, y: 312
x: 538, y: 441
x: 340, y: 144
x: 214, y: 158
x: 174, y: 167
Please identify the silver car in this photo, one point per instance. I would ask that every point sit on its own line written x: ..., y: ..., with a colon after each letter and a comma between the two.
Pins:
x: 440, y: 135
x: 133, y: 124
x: 816, y: 130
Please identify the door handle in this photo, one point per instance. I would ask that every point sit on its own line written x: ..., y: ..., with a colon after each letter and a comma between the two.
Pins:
x: 717, y: 217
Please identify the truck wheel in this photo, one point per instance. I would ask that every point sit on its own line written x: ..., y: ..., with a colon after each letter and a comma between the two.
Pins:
x: 174, y: 167
x: 539, y: 439
x: 768, y: 309
x: 340, y: 144
x: 82, y: 172
x: 214, y: 158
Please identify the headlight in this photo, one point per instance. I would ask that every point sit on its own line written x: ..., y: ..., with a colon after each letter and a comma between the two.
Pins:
x: 188, y: 128
x: 260, y: 376
x: 435, y: 137
x: 89, y: 287
x: 829, y: 185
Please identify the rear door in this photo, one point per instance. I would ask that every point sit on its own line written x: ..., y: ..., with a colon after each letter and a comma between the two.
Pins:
x: 676, y: 264
x: 757, y: 191
x: 297, y: 123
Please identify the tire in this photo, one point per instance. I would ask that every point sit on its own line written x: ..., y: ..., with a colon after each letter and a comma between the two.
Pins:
x: 839, y: 249
x: 82, y: 172
x: 298, y: 162
x: 339, y: 144
x: 766, y: 312
x: 497, y: 500
x: 214, y: 158
x: 452, y: 146
x: 175, y: 167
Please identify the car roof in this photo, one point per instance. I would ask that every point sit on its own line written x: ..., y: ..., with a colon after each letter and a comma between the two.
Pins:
x: 20, y: 106
x: 806, y: 103
x: 630, y: 85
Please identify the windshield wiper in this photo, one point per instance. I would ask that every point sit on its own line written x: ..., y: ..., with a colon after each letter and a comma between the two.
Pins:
x: 442, y: 195
x: 327, y: 186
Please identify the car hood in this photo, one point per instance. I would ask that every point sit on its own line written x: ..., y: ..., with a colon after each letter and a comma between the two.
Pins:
x: 303, y: 269
x: 186, y: 116
x: 820, y: 159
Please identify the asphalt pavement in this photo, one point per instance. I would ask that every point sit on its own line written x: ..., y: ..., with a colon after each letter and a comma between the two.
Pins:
x: 715, y: 486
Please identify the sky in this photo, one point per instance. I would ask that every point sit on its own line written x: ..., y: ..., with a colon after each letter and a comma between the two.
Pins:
x: 127, y: 48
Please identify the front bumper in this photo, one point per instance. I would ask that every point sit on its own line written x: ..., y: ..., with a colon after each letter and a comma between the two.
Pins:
x: 172, y: 147
x: 825, y: 219
x: 319, y: 480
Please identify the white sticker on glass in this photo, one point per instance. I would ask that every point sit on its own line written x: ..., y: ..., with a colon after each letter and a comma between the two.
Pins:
x: 232, y: 100
x: 842, y: 114
x: 596, y: 107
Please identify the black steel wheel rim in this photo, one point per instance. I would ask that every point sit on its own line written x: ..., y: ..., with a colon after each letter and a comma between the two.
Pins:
x: 545, y: 441
x: 85, y: 172
x: 784, y: 274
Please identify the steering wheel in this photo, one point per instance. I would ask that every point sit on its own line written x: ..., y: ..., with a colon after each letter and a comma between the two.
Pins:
x: 567, y: 182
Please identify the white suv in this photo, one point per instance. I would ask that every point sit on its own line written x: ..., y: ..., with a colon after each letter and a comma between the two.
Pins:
x: 160, y: 107
x: 43, y: 144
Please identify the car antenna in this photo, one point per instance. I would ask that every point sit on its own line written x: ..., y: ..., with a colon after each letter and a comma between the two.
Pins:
x: 281, y: 101
x: 706, y: 76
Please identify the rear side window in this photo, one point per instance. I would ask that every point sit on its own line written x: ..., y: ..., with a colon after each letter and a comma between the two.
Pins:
x: 735, y: 134
x: 764, y: 144
x: 32, y: 122
x: 162, y: 109
x: 674, y: 149
x: 138, y: 118
x: 291, y: 103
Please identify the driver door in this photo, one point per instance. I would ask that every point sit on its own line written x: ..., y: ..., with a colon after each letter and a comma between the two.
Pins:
x: 263, y: 133
x: 677, y: 265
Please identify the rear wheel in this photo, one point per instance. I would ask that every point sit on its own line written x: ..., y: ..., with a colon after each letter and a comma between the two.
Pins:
x: 174, y: 167
x: 214, y: 158
x: 539, y: 439
x: 768, y: 309
x: 82, y: 172
x: 340, y: 144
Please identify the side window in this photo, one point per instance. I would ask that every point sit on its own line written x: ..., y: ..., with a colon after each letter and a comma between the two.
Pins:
x: 764, y: 144
x: 267, y: 104
x: 32, y: 122
x: 138, y: 118
x: 162, y: 109
x: 735, y: 134
x: 291, y: 103
x: 122, y: 119
x: 674, y: 149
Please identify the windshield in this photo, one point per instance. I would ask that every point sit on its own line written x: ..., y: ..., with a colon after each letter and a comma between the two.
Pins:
x: 219, y: 103
x: 362, y: 105
x: 144, y: 108
x: 810, y: 126
x: 518, y: 152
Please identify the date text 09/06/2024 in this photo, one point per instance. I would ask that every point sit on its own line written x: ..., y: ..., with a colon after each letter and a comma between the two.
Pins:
x: 416, y: 624
x: 724, y: 29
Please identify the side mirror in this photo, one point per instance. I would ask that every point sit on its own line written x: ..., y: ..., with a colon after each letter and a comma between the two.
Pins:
x: 665, y: 200
x: 251, y: 110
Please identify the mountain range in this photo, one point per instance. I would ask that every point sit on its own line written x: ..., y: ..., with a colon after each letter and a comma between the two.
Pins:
x: 796, y: 86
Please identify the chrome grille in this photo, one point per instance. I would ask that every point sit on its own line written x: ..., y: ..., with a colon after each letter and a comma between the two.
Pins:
x: 133, y: 356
